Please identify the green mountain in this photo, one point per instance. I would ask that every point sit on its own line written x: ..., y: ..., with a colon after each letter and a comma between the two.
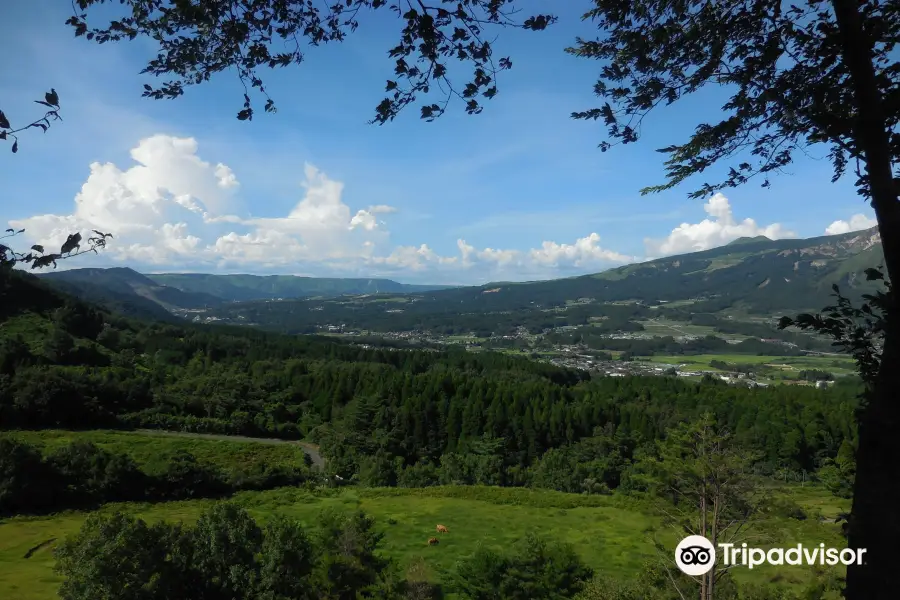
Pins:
x: 127, y: 291
x: 755, y: 275
x: 759, y: 276
x: 748, y: 240
x: 158, y: 296
x: 238, y: 288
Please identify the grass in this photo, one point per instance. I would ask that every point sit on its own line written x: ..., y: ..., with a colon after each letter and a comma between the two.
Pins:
x: 613, y: 534
x: 152, y: 451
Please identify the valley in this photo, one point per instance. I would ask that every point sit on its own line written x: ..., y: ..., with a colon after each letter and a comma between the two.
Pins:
x: 725, y: 301
x: 498, y: 410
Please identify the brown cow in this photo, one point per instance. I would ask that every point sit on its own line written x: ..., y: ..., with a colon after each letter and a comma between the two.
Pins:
x: 442, y: 529
x: 433, y: 541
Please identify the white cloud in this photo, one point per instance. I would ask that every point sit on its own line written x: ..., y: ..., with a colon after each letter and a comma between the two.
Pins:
x: 584, y: 251
x: 711, y: 233
x: 226, y: 176
x: 320, y: 227
x: 413, y: 258
x: 856, y: 223
x: 173, y: 210
x: 144, y: 206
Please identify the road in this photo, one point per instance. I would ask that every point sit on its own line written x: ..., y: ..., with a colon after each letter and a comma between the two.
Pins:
x: 311, y: 450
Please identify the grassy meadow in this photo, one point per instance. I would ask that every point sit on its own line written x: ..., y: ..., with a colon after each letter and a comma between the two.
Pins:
x: 153, y: 451
x: 612, y: 533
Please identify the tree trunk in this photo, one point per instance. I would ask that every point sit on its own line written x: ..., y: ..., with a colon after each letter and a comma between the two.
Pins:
x: 703, y: 578
x: 714, y: 538
x: 875, y: 516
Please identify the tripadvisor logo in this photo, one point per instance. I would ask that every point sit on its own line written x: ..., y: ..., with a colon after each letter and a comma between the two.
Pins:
x: 695, y: 555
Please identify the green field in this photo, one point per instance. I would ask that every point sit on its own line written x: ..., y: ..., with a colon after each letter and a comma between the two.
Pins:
x: 612, y: 533
x: 152, y: 452
x: 664, y: 327
x: 701, y: 362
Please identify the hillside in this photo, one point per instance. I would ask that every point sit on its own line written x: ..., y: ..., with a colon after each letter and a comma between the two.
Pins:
x: 757, y: 275
x: 751, y: 282
x: 237, y: 288
x: 127, y: 291
x: 160, y: 296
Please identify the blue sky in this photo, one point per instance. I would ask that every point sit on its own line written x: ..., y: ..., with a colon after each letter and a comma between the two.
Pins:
x: 519, y: 192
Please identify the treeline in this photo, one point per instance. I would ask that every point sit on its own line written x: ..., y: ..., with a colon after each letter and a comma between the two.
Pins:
x: 83, y: 475
x: 585, y: 441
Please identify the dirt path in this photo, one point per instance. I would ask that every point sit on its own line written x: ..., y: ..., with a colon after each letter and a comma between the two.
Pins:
x: 311, y: 450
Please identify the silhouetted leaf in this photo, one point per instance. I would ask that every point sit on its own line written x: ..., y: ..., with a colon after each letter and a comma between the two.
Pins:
x: 4, y: 122
x: 15, y: 146
x: 38, y: 248
x: 72, y: 242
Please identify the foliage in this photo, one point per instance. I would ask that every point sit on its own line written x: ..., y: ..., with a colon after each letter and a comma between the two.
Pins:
x: 116, y: 557
x: 708, y: 482
x: 24, y: 478
x: 224, y: 555
x: 81, y: 474
x: 38, y: 259
x: 859, y: 331
x: 198, y: 41
x: 7, y: 131
x: 839, y: 473
x: 534, y: 569
x: 788, y: 71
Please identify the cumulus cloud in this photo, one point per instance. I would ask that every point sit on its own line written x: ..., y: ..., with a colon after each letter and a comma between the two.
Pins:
x: 144, y: 206
x: 718, y: 230
x: 174, y: 210
x: 584, y: 254
x: 584, y: 251
x: 857, y: 222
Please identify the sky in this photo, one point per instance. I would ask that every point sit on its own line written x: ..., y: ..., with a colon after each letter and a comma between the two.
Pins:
x: 520, y: 192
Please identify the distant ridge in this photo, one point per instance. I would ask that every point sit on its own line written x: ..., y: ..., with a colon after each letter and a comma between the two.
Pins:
x: 239, y: 288
x: 158, y: 296
x: 749, y: 240
x: 754, y: 274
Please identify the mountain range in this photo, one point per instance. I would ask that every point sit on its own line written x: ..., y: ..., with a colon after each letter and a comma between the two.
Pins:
x: 159, y: 295
x: 757, y: 275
